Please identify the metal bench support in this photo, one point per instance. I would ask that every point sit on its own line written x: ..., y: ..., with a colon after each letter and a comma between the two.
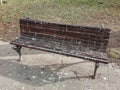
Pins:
x: 95, y: 70
x: 18, y: 50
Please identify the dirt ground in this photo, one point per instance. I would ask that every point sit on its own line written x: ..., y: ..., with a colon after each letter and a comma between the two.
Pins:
x: 40, y: 70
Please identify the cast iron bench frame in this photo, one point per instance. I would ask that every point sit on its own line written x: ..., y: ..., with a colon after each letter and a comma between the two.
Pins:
x: 92, y: 38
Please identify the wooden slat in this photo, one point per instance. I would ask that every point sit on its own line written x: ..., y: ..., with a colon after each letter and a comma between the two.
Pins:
x: 43, y: 24
x: 86, y: 41
x: 69, y: 35
x: 65, y: 27
x: 54, y: 31
x: 88, y: 29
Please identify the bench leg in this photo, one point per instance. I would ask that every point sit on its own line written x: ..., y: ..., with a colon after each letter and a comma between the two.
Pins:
x: 95, y: 70
x: 18, y: 50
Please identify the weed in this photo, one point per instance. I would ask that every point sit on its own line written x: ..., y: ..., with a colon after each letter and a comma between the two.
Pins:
x: 113, y: 54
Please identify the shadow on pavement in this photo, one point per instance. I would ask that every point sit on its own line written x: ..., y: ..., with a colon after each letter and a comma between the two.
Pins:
x: 36, y: 75
x: 33, y: 75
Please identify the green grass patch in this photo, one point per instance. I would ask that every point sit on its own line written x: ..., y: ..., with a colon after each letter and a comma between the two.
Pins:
x: 98, y: 3
x: 113, y: 54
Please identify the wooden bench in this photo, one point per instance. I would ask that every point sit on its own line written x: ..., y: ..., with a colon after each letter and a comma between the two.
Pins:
x: 88, y: 43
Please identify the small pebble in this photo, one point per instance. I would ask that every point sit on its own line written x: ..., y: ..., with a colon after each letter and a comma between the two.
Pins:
x: 110, y: 66
x: 60, y: 77
x: 33, y: 38
x: 41, y: 72
x: 15, y: 84
x: 104, y: 78
x: 89, y: 89
x: 52, y: 75
x: 33, y: 77
x: 24, y: 67
x: 23, y: 88
x: 61, y: 73
x: 65, y: 74
x: 10, y: 74
x: 44, y: 81
x: 117, y: 70
x: 51, y: 78
x: 63, y: 85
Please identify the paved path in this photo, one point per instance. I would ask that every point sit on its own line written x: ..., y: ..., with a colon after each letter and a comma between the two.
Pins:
x: 46, y: 71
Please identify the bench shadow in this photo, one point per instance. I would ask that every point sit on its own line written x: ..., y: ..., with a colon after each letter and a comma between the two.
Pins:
x: 36, y: 75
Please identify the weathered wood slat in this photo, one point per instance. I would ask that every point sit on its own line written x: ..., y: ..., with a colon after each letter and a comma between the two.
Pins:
x: 63, y: 32
x: 67, y: 35
x: 91, y: 43
x: 65, y: 27
x: 68, y: 28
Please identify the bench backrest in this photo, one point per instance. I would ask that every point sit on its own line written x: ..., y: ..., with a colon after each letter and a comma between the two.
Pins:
x: 91, y: 37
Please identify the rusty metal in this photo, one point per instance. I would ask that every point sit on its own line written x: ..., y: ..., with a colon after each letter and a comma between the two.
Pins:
x: 89, y: 43
x: 95, y: 71
x: 18, y: 50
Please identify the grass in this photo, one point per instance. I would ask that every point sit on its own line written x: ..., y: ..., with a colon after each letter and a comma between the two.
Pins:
x: 84, y: 2
x: 113, y: 53
x: 92, y: 3
x: 63, y: 11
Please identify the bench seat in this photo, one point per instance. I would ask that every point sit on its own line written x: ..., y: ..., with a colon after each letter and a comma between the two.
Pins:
x: 64, y: 48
